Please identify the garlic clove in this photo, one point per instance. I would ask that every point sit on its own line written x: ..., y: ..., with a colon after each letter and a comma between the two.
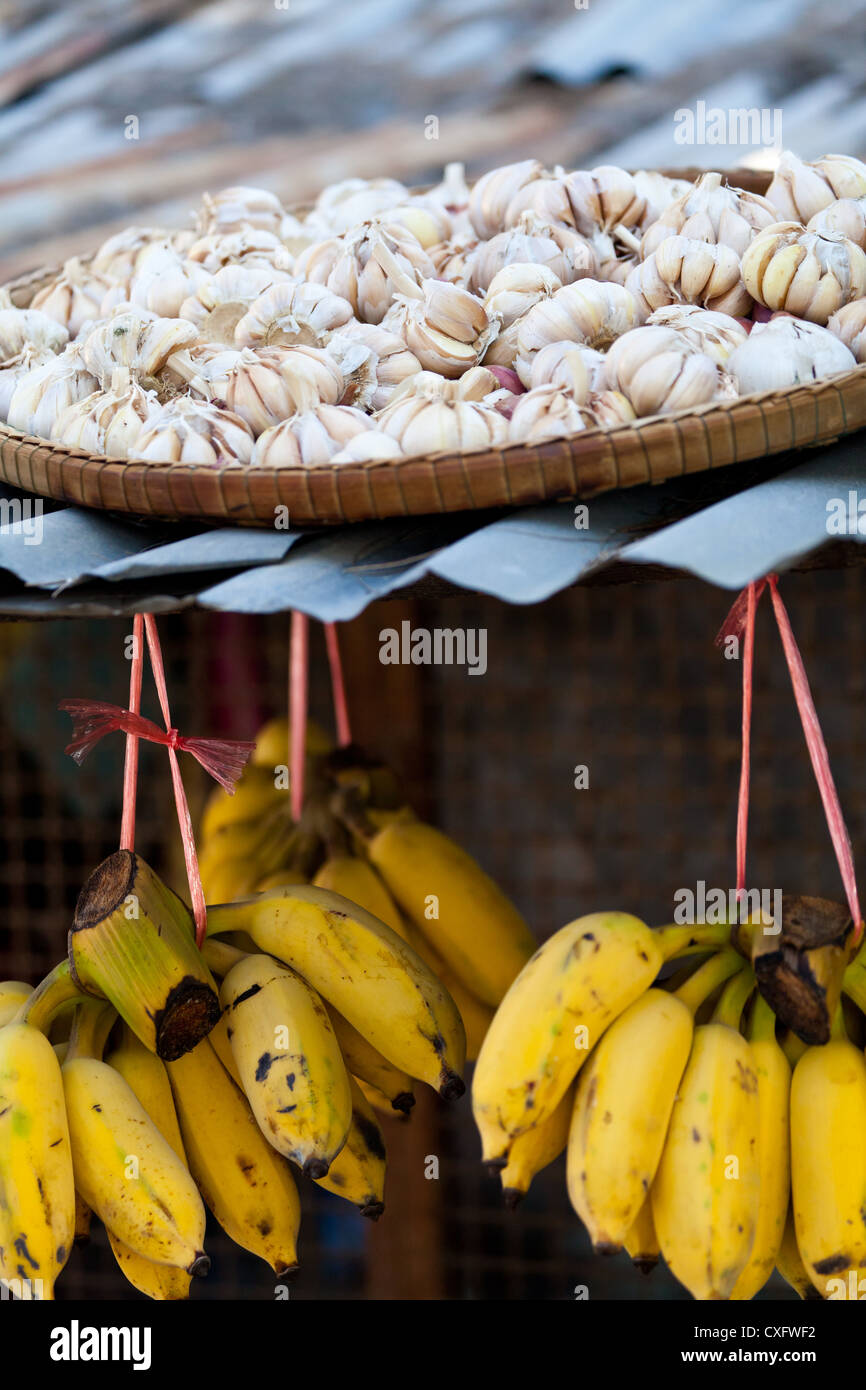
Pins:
x: 848, y: 324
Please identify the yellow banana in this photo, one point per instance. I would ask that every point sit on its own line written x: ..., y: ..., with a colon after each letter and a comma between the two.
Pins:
x: 380, y: 1102
x: 556, y: 1010
x: 774, y: 1150
x: 226, y: 880
x: 535, y: 1149
x: 254, y: 796
x: 289, y: 1060
x: 789, y: 1263
x: 272, y: 743
x: 246, y: 1183
x: 365, y: 970
x: 625, y: 1095
x: 465, y: 915
x: 13, y: 993
x: 641, y: 1240
x: 279, y: 878
x: 124, y: 1169
x: 221, y: 1042
x: 477, y: 1017
x: 706, y: 1192
x: 356, y: 880
x: 364, y: 1061
x: 828, y: 1163
x: 83, y: 1216
x: 358, y: 1171
x: 37, y: 1190
x: 145, y: 1073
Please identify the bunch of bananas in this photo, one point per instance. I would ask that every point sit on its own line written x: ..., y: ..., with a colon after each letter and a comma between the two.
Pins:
x: 691, y: 1129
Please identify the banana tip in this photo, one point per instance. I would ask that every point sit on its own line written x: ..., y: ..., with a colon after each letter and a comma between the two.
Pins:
x: 316, y: 1167
x: 606, y: 1247
x: 200, y: 1266
x: 403, y: 1102
x: 372, y: 1210
x: 286, y: 1271
x: 512, y: 1197
x: 451, y: 1086
x: 645, y: 1263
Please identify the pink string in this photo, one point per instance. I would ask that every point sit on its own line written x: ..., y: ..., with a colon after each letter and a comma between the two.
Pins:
x: 338, y: 686
x: 299, y: 680
x: 745, y: 765
x: 130, y: 765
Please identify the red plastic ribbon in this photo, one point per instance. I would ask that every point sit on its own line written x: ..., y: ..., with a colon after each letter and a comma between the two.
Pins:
x: 299, y: 680
x: 338, y: 686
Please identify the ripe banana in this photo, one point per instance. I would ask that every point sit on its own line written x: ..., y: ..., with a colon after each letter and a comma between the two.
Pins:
x: 221, y: 1042
x: 534, y: 1150
x: 363, y: 1060
x: 380, y: 1102
x: 556, y: 1010
x: 13, y: 993
x: 625, y: 1095
x: 356, y: 880
x: 465, y: 915
x: 37, y: 1191
x: 789, y: 1263
x: 124, y: 1169
x: 828, y: 1161
x: 774, y: 1150
x: 641, y: 1242
x: 706, y: 1192
x: 289, y: 1061
x: 365, y: 970
x: 246, y: 1183
x: 477, y: 1017
x: 272, y: 743
x: 358, y: 1171
x: 254, y: 795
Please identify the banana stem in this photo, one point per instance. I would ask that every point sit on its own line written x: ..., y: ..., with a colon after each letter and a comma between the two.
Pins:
x: 854, y: 980
x: 734, y: 996
x: 762, y: 1026
x: 707, y: 978
x: 679, y: 940
x: 838, y: 1031
x: 56, y: 990
x: 220, y: 956
x: 92, y: 1022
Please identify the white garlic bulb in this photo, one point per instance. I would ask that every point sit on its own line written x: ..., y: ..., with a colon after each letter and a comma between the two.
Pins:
x: 546, y: 197
x: 163, y: 278
x: 427, y: 222
x: 588, y: 312
x: 187, y: 430
x: 494, y: 191
x: 233, y: 209
x: 804, y: 273
x: 703, y: 329
x: 117, y: 257
x: 533, y: 242
x: 545, y: 413
x: 684, y: 271
x: 250, y: 245
x: 715, y: 212
x: 658, y: 192
x: 373, y: 446
x: 799, y: 189
x: 43, y: 393
x: 73, y: 297
x: 138, y: 341
x: 604, y: 199
x: 452, y: 259
x: 262, y: 387
x: 22, y: 329
x: 848, y: 324
x: 223, y: 298
x: 14, y: 370
x: 787, y: 352
x: 657, y: 371
x: 846, y: 217
x: 367, y: 266
x: 572, y: 367
x: 311, y: 439
x: 108, y: 422
x: 446, y: 327
x: 343, y: 205
x: 607, y: 409
x: 453, y: 192
x: 392, y: 360
x: 429, y: 421
x: 510, y: 295
x: 292, y: 311
x: 475, y: 385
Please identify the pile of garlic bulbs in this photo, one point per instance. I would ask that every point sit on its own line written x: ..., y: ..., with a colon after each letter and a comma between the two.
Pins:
x: 386, y: 324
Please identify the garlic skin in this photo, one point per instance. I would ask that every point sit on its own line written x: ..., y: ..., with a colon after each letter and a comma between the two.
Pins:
x: 446, y: 327
x: 590, y: 312
x: 162, y: 280
x: 367, y: 266
x: 800, y: 189
x: 292, y: 311
x: 545, y: 413
x: 311, y: 439
x: 233, y: 209
x: 108, y: 422
x: 344, y: 205
x: 684, y: 271
x: 249, y: 245
x: 572, y: 367
x: 392, y: 360
x: 262, y: 387
x: 531, y: 241
x: 186, y: 430
x: 714, y: 212
x: 787, y: 352
x: 846, y: 217
x: 804, y: 273
x: 44, y: 392
x: 73, y: 297
x: 702, y: 329
x: 848, y: 324
x: 494, y: 191
x: 137, y: 341
x: 118, y: 255
x: 23, y: 329
x: 373, y: 446
x: 451, y: 259
x: 658, y: 192
x: 658, y: 372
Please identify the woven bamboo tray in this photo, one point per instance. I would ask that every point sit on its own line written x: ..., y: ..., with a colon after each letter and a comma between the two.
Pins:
x: 580, y: 466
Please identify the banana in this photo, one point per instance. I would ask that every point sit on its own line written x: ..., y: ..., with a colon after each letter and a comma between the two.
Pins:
x: 246, y: 1183
x: 464, y: 914
x: 789, y: 1263
x: 533, y: 1150
x: 124, y: 1169
x: 83, y: 1216
x: 289, y: 1061
x: 254, y: 795
x: 356, y: 880
x: 573, y: 987
x: 828, y: 1162
x: 477, y: 1017
x: 280, y: 878
x: 793, y: 1047
x: 641, y: 1241
x: 13, y: 993
x: 148, y: 1078
x: 272, y: 743
x: 358, y: 1171
x: 774, y: 1150
x: 37, y: 1190
x: 362, y: 967
x: 625, y: 1095
x: 363, y: 1060
x: 380, y: 1102
x: 220, y: 1040
x: 706, y: 1193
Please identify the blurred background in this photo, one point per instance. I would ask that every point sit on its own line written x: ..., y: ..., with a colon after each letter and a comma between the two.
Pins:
x: 127, y: 111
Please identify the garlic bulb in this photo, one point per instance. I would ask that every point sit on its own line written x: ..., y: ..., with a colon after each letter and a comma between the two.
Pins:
x: 684, y: 271
x: 787, y: 352
x: 494, y: 191
x: 609, y: 408
x: 846, y: 217
x: 570, y: 366
x: 392, y: 360
x: 533, y: 242
x: 163, y: 279
x: 804, y: 273
x: 191, y: 431
x: 117, y: 257
x: 702, y: 329
x: 311, y: 439
x: 292, y: 311
x: 510, y: 295
x: 73, y: 297
x: 427, y: 421
x: 249, y: 245
x: 21, y: 329
x: 233, y: 209
x: 475, y: 385
x: 222, y: 299
x: 714, y: 212
x: 452, y: 259
x: 546, y: 197
x: 108, y: 422
x: 262, y: 387
x: 137, y: 341
x: 367, y: 266
x: 453, y: 192
x: 587, y: 312
x: 343, y: 205
x: 848, y: 324
x: 445, y: 326
x: 658, y: 191
x: 373, y: 446
x: 657, y: 372
x: 44, y: 392
x: 14, y: 370
x: 800, y: 189
x: 604, y: 199
x: 545, y: 413
x: 428, y: 223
